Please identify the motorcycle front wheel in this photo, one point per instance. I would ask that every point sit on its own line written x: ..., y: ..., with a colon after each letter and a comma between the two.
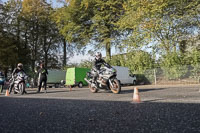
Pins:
x: 93, y: 89
x: 21, y: 88
x: 115, y: 87
x: 10, y: 89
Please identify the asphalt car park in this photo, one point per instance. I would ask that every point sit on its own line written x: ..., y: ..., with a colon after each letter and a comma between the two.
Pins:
x: 164, y: 108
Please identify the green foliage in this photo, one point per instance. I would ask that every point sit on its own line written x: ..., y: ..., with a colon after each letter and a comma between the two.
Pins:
x: 8, y: 52
x: 90, y: 21
x: 28, y: 33
x: 31, y: 30
x: 12, y: 49
x: 86, y: 64
x: 173, y: 66
x: 74, y: 21
x: 41, y: 33
x: 136, y: 61
x: 117, y: 60
x: 194, y: 58
x: 164, y: 22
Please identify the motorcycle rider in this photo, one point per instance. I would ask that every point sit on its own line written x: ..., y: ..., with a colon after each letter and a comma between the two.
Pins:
x: 42, y: 72
x: 15, y: 71
x: 98, y: 62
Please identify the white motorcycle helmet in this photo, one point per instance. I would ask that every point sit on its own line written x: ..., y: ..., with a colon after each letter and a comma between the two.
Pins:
x: 98, y: 55
x: 20, y: 66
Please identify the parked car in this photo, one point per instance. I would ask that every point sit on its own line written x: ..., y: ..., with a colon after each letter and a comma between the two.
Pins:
x: 75, y: 76
x: 125, y: 76
x: 55, y: 77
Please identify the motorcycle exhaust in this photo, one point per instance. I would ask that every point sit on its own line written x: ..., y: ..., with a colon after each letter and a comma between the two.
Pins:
x: 87, y: 81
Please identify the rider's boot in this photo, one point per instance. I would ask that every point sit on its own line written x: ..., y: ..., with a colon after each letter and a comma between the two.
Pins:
x: 93, y: 83
x: 25, y: 92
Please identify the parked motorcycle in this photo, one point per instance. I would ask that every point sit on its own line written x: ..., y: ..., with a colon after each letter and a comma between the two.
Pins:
x: 19, y: 83
x: 106, y: 80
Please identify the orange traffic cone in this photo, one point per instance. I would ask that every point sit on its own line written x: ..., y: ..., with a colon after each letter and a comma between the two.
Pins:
x: 136, y: 97
x: 7, y: 93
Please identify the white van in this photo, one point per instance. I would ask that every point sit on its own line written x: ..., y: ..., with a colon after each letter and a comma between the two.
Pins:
x: 124, y: 75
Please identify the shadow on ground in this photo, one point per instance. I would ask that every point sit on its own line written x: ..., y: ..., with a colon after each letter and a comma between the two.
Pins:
x: 60, y: 115
x: 141, y: 90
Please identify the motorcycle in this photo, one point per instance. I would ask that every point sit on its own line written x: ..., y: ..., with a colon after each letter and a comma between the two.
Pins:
x: 19, y: 83
x: 106, y: 80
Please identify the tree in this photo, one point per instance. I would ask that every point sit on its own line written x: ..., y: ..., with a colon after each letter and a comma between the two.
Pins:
x: 32, y: 11
x: 106, y: 15
x: 136, y: 61
x: 166, y: 24
x: 41, y: 32
x: 8, y: 52
x: 11, y: 35
x: 68, y: 45
x: 28, y: 29
x: 91, y: 21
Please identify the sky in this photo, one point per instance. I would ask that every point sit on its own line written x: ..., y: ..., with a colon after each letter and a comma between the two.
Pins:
x: 80, y: 57
x: 55, y: 4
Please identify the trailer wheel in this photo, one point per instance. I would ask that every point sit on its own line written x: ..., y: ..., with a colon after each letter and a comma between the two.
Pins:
x: 56, y: 85
x: 80, y: 84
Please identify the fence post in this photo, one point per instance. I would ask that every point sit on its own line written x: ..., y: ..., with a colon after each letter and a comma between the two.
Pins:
x: 155, y: 76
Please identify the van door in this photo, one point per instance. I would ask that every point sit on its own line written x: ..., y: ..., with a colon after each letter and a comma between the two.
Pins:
x: 130, y: 79
x: 124, y: 74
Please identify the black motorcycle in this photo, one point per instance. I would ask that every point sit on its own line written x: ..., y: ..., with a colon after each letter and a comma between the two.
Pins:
x: 19, y: 83
x: 106, y: 80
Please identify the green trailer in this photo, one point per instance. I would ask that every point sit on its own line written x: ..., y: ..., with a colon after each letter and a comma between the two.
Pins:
x: 55, y: 77
x: 75, y: 76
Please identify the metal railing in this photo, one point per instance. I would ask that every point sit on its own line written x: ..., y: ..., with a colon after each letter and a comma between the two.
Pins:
x: 172, y: 75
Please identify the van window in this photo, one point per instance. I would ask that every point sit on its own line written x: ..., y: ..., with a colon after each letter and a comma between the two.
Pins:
x: 130, y: 73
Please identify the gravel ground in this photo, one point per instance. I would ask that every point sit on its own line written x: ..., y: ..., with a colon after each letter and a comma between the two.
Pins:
x: 163, y: 109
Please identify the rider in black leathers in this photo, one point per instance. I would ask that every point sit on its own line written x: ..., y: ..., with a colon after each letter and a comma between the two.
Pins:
x: 98, y: 62
x: 42, y: 72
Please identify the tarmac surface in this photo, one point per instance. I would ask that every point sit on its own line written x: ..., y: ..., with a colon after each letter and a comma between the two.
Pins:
x: 171, y: 109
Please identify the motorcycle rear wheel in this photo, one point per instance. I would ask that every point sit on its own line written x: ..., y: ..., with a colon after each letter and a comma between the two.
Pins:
x: 116, y: 89
x: 93, y: 89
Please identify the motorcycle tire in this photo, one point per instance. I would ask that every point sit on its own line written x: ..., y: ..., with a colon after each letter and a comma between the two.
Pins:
x: 116, y: 89
x: 93, y: 89
x: 21, y: 88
